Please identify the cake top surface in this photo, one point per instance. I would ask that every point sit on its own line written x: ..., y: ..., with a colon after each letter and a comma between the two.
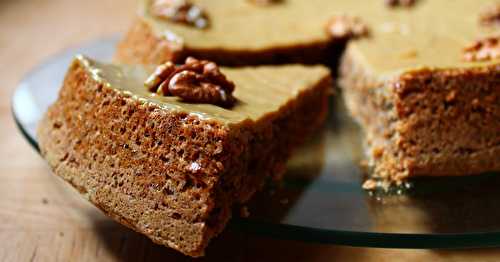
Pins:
x: 431, y: 33
x: 260, y: 91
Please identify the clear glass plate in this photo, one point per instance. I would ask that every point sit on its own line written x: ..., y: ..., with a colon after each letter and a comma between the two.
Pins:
x: 321, y: 199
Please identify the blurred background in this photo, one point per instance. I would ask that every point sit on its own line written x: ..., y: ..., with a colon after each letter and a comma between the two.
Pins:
x: 42, y: 220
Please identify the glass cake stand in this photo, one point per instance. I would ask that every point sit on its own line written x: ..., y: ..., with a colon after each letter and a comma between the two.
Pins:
x: 321, y: 199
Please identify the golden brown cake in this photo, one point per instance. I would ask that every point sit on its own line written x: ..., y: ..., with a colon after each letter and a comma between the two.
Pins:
x: 425, y: 86
x: 169, y: 169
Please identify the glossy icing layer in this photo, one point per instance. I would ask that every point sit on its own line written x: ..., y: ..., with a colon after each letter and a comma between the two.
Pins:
x: 260, y: 91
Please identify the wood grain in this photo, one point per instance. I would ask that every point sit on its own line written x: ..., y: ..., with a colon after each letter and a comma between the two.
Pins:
x: 41, y: 219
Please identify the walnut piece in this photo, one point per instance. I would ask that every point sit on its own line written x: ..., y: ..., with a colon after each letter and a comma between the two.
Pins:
x: 399, y: 3
x: 490, y: 15
x: 483, y: 50
x: 370, y: 184
x: 180, y: 11
x: 161, y: 73
x: 196, y: 81
x: 346, y: 27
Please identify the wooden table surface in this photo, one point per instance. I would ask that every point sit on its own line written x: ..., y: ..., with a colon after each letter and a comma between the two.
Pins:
x: 41, y: 219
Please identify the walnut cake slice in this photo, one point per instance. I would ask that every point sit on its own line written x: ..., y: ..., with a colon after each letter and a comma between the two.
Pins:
x: 169, y: 161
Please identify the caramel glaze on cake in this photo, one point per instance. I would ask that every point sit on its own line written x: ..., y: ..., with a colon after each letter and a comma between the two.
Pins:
x: 169, y: 169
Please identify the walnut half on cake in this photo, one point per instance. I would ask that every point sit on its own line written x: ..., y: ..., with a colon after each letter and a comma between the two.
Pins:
x: 169, y: 168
